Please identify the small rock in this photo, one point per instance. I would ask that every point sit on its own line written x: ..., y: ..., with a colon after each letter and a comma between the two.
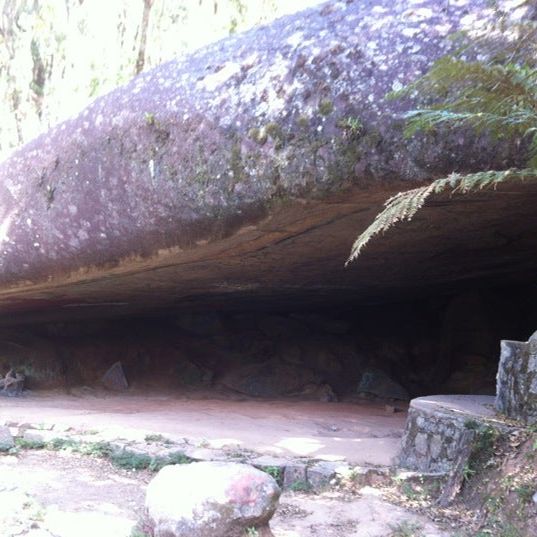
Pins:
x: 115, y: 379
x: 204, y: 454
x: 6, y: 439
x: 191, y: 374
x: 267, y: 461
x: 534, y: 498
x: 209, y: 499
x: 320, y: 474
x: 294, y: 475
x: 376, y: 382
x: 269, y: 379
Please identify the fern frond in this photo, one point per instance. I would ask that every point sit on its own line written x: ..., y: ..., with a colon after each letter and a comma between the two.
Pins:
x: 404, y: 205
x: 498, y: 99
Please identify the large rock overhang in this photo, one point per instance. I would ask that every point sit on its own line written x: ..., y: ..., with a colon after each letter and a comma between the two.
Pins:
x: 243, y: 172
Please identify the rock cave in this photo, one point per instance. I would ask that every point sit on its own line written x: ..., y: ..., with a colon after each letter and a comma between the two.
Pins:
x: 194, y: 225
x: 204, y: 275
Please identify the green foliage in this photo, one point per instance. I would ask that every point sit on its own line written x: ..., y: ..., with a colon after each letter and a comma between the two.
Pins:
x: 482, y: 450
x: 486, y: 439
x: 500, y: 100
x: 130, y: 461
x: 127, y: 459
x: 468, y: 472
x: 525, y: 493
x: 29, y: 444
x: 137, y: 532
x: 405, y: 205
x: 96, y: 449
x: 300, y: 486
x: 471, y: 425
x: 157, y: 439
x: 275, y: 472
x: 326, y: 107
x: 405, y: 529
x: 496, y: 98
x: 58, y: 444
x: 352, y: 126
x: 141, y: 461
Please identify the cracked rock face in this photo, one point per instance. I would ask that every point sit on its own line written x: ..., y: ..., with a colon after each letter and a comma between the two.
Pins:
x: 246, y: 170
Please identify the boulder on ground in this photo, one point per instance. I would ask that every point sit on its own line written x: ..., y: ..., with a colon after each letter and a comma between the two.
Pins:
x: 115, y: 379
x: 12, y: 384
x: 269, y: 379
x: 376, y: 382
x: 192, y: 374
x: 209, y: 499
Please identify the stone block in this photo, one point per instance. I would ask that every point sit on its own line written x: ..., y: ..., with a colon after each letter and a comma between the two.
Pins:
x: 516, y: 381
x: 434, y: 427
x: 294, y: 475
x: 320, y: 474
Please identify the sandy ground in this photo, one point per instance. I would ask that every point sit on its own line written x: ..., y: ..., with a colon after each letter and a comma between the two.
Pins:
x: 358, y: 433
x: 58, y: 494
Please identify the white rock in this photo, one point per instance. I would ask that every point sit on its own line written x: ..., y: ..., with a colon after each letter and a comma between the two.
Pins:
x: 6, y: 439
x: 209, y: 499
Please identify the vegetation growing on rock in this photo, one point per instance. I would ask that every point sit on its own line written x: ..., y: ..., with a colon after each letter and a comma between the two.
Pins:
x: 496, y: 97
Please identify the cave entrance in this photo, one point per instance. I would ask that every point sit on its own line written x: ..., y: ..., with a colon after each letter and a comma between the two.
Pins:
x: 331, y: 381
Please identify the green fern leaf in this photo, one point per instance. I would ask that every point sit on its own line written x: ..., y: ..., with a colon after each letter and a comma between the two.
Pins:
x: 404, y: 205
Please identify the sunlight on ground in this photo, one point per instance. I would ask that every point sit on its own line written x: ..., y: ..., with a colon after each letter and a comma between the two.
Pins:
x: 219, y: 443
x: 87, y: 524
x: 301, y: 446
x: 287, y: 533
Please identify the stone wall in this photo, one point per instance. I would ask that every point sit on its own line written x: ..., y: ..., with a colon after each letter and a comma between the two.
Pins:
x: 516, y: 394
x: 435, y: 427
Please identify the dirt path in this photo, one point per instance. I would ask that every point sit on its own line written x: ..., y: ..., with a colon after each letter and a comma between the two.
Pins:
x: 61, y: 494
x: 67, y: 495
x: 359, y: 434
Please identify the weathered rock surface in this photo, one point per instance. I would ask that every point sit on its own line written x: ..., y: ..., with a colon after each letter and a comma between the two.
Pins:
x: 12, y: 384
x: 376, y: 382
x: 248, y: 167
x: 516, y: 391
x: 209, y: 499
x: 114, y: 378
x: 269, y: 379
